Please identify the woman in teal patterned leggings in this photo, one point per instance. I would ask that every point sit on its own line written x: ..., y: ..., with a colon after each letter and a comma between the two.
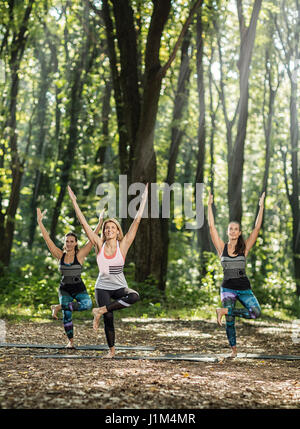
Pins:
x: 229, y: 297
x: 73, y: 295
x: 235, y: 286
x: 69, y: 302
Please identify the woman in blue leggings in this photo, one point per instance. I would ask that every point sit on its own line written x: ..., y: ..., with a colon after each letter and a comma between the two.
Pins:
x: 72, y: 292
x: 235, y: 286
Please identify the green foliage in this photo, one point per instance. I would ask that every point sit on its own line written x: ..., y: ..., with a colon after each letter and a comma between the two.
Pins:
x: 29, y: 284
x: 53, y: 50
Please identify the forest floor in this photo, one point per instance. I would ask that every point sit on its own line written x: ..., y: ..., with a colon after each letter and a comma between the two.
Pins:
x: 29, y: 382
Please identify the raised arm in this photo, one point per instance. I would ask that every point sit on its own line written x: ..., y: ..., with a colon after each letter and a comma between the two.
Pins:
x: 130, y: 236
x: 217, y: 241
x: 92, y: 235
x: 85, y: 250
x: 254, y: 234
x: 55, y: 251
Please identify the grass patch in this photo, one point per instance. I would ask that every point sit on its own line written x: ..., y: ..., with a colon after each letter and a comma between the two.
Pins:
x: 141, y: 310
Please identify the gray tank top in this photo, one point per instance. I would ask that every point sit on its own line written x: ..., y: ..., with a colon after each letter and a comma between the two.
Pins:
x: 71, y: 273
x: 234, y: 269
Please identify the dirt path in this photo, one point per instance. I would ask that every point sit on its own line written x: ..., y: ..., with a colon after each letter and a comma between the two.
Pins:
x: 30, y: 382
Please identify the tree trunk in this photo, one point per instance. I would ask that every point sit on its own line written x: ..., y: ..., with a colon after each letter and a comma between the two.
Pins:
x: 294, y: 197
x: 203, y: 235
x: 102, y: 156
x: 8, y: 225
x: 120, y: 108
x: 213, y: 116
x: 267, y: 122
x: 129, y: 74
x: 137, y: 105
x: 68, y: 158
x: 42, y: 105
x: 177, y: 132
x: 235, y: 152
x: 148, y: 260
x: 82, y: 66
x: 236, y: 164
x: 286, y: 33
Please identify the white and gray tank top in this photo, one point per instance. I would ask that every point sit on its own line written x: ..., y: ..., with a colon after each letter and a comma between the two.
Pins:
x: 111, y: 275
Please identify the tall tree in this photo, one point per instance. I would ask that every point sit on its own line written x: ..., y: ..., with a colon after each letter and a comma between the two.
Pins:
x: 271, y: 86
x: 81, y: 66
x: 177, y: 133
x: 48, y: 65
x: 102, y: 153
x: 137, y: 104
x: 235, y: 146
x: 16, y: 38
x: 203, y: 235
x: 288, y: 29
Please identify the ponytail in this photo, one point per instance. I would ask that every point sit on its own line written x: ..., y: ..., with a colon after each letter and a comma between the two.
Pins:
x: 240, y: 246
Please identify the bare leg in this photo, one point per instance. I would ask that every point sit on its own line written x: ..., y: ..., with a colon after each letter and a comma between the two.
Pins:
x: 98, y: 312
x: 220, y: 313
x: 55, y: 309
x: 233, y: 352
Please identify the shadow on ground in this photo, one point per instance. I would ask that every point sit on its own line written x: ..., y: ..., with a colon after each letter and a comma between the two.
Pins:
x: 27, y: 381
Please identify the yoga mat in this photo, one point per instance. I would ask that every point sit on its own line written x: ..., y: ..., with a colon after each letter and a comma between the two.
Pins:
x: 87, y: 347
x: 184, y: 357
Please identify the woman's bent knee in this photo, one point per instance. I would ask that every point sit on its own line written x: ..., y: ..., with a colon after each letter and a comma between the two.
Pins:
x: 255, y: 312
x: 133, y: 298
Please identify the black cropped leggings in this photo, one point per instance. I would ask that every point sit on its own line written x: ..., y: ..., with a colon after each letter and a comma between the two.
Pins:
x: 124, y: 297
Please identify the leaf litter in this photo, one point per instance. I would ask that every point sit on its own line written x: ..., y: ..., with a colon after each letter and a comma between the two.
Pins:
x: 28, y: 382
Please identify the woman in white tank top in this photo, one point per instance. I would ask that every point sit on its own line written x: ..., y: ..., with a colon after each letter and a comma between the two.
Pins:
x: 111, y: 249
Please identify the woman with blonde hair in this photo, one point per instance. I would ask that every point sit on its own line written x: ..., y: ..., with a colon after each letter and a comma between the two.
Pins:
x: 111, y: 249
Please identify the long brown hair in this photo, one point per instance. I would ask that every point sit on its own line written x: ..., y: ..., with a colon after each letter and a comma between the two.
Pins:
x: 240, y: 246
x: 72, y: 234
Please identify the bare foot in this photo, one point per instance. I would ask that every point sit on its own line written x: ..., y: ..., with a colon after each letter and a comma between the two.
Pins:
x: 97, y: 312
x: 233, y: 352
x: 70, y: 344
x: 55, y: 309
x: 111, y: 353
x: 220, y: 313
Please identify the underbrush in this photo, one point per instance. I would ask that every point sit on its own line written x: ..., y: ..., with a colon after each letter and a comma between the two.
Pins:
x: 28, y: 290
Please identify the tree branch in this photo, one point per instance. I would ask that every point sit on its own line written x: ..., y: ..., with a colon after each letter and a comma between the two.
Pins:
x: 164, y: 69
